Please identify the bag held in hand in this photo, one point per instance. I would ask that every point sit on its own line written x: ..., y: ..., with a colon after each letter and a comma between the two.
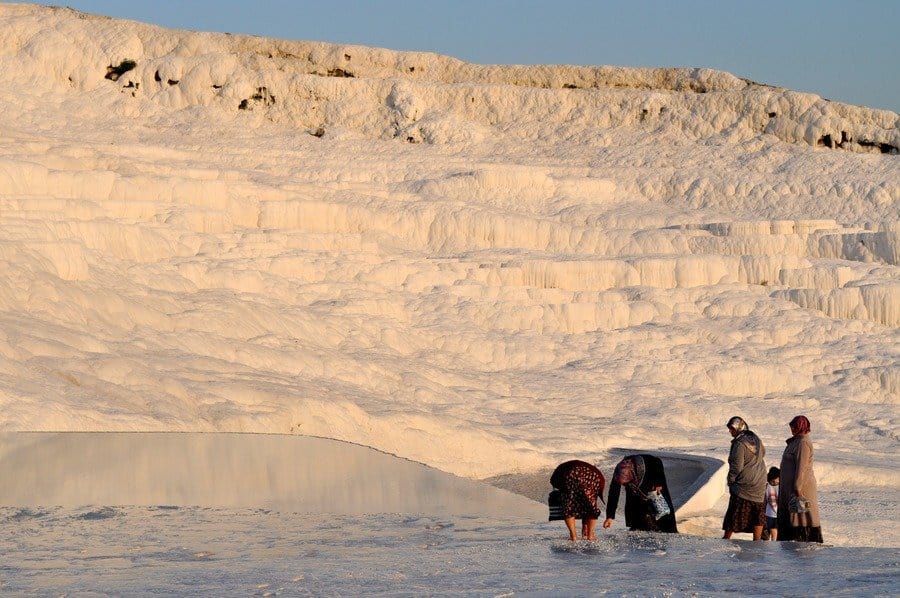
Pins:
x: 658, y: 504
x: 798, y: 504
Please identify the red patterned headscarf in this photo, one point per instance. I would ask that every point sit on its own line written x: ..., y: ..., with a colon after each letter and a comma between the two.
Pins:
x: 800, y: 425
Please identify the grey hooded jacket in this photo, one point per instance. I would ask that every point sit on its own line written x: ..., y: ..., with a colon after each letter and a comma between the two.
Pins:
x: 747, y: 467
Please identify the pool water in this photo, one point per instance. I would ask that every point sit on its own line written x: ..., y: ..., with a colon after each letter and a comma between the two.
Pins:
x: 168, y: 550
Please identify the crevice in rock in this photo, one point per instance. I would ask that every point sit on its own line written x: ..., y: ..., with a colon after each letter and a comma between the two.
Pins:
x: 262, y: 96
x: 829, y: 142
x: 335, y: 72
x: 114, y: 72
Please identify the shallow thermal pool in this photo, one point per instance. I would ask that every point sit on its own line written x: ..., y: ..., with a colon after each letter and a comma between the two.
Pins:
x: 305, y: 516
x: 202, y: 551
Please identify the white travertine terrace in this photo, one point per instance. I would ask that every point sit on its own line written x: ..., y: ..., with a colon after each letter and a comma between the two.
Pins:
x: 487, y: 269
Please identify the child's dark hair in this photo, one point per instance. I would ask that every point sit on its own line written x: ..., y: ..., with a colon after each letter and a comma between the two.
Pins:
x: 774, y: 472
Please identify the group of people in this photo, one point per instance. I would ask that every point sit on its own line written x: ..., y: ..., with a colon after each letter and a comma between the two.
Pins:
x: 756, y: 505
x: 756, y: 501
x: 648, y: 504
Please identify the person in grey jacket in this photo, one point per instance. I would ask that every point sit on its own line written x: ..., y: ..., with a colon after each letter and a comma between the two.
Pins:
x: 746, y: 482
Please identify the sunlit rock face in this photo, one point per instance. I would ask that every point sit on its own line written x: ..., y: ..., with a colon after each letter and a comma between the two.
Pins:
x: 483, y: 268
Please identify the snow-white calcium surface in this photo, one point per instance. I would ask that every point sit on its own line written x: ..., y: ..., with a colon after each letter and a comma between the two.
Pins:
x: 485, y: 269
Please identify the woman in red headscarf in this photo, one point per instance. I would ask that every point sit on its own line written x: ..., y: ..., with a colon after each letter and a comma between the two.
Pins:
x: 798, y: 507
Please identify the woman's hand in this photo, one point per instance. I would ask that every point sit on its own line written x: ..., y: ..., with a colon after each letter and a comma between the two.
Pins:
x: 607, y: 523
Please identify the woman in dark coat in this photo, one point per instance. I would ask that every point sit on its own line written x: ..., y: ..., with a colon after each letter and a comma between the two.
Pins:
x: 580, y: 484
x: 640, y: 474
x: 798, y: 482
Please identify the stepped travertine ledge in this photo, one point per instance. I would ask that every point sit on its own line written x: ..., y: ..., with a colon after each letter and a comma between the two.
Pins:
x: 486, y: 269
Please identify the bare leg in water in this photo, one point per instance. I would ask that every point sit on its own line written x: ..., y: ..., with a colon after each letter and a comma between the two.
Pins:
x: 587, y: 529
x: 570, y: 523
x: 757, y: 532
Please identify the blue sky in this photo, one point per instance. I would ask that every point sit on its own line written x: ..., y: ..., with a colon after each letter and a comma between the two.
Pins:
x: 843, y: 50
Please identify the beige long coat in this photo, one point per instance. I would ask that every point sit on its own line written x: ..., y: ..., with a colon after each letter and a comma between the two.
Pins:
x: 797, y: 473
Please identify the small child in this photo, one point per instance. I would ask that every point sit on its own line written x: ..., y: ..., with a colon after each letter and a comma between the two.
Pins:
x: 773, y: 479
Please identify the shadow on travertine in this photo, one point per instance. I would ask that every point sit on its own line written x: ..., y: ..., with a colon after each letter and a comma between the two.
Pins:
x: 288, y: 473
x: 695, y: 482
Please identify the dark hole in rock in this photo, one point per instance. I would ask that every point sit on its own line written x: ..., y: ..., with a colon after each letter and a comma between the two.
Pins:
x: 884, y: 148
x: 412, y: 69
x: 346, y: 57
x: 156, y: 76
x: 339, y: 72
x: 173, y: 81
x: 217, y: 87
x: 569, y: 86
x: 319, y: 132
x: 262, y: 95
x: 773, y: 114
x: 826, y: 141
x: 114, y: 72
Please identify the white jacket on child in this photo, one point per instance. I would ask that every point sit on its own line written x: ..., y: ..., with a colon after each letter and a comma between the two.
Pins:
x: 771, y: 500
